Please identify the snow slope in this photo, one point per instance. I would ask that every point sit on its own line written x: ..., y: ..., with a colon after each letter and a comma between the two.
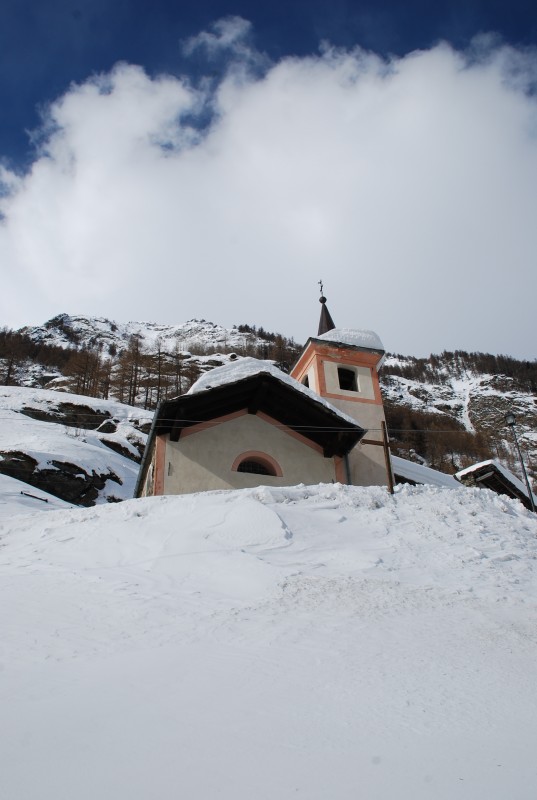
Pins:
x: 316, y: 642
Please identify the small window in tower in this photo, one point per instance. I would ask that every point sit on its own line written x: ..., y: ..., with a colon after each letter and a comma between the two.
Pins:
x: 347, y: 379
x: 306, y: 381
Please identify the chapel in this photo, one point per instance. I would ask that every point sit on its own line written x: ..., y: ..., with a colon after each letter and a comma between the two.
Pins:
x: 248, y: 423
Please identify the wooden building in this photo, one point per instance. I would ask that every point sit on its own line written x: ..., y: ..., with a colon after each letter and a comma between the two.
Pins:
x: 492, y: 475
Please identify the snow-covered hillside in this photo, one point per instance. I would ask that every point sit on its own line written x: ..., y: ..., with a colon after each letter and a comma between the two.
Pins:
x: 457, y: 389
x: 138, y: 363
x: 79, y: 448
x: 316, y: 642
x: 474, y: 398
x: 67, y: 330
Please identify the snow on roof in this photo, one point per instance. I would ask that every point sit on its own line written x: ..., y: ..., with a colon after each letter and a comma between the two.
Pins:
x: 248, y: 367
x: 491, y: 462
x: 354, y: 337
x: 423, y: 475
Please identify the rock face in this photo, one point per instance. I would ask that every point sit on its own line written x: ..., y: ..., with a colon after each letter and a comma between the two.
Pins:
x: 67, y: 481
x: 18, y: 465
x: 117, y: 447
x: 73, y: 415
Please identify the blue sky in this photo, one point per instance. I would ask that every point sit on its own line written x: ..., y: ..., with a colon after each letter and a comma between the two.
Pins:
x: 166, y: 161
x: 47, y: 44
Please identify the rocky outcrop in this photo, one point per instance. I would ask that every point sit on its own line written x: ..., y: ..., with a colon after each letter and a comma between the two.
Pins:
x: 62, y: 479
x: 70, y: 414
x: 117, y: 447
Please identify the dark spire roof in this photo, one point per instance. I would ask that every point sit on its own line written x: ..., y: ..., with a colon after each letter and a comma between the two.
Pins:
x: 326, y: 323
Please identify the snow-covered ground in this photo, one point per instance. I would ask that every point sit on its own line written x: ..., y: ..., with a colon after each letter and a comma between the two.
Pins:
x: 316, y: 642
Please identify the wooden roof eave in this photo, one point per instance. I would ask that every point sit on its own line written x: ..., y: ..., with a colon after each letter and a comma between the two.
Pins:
x: 265, y: 393
x: 147, y: 456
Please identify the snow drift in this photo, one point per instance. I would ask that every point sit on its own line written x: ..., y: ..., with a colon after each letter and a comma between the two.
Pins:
x: 326, y: 641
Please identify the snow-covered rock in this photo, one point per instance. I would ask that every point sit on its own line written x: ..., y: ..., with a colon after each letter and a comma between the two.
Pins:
x: 17, y: 497
x: 81, y: 449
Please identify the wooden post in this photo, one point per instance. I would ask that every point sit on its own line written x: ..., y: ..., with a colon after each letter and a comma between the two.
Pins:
x: 387, y: 456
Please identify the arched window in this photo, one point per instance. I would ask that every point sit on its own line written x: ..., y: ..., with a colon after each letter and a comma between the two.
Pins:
x: 254, y: 466
x: 256, y: 463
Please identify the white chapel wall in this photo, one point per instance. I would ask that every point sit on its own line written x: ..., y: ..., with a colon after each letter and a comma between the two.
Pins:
x: 203, y: 460
x: 367, y: 462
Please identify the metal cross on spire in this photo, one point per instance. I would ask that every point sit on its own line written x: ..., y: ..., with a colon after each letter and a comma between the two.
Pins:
x: 326, y: 323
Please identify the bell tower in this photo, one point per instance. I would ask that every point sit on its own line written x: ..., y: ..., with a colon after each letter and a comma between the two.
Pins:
x: 341, y: 364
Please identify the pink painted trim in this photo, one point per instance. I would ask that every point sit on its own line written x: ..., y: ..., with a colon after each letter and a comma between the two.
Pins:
x: 374, y: 402
x: 263, y: 458
x: 160, y: 459
x: 303, y: 364
x: 340, y: 469
x: 318, y: 353
x: 203, y: 426
x: 319, y: 374
x: 298, y: 436
x: 376, y: 387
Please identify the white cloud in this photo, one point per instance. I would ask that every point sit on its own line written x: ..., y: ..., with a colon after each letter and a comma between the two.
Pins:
x: 231, y: 39
x: 228, y: 33
x: 409, y: 187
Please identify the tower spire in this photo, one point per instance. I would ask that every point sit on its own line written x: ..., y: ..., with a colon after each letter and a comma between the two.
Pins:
x: 326, y: 323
